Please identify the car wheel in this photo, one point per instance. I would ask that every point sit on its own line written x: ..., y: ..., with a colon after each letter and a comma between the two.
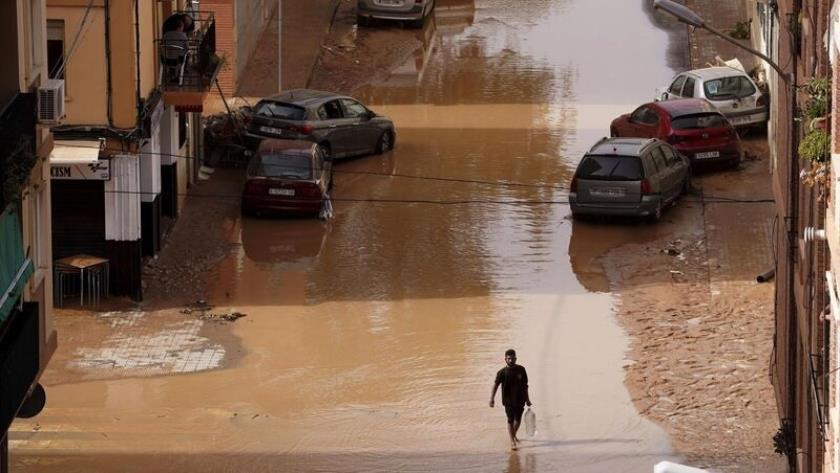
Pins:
x: 386, y: 143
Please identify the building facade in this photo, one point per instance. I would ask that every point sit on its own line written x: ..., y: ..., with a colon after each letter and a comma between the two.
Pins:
x: 239, y: 27
x: 27, y: 335
x: 130, y: 143
x: 792, y: 33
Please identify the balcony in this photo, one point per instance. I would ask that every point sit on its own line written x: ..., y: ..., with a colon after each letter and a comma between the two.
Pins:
x: 188, y: 63
x: 17, y: 145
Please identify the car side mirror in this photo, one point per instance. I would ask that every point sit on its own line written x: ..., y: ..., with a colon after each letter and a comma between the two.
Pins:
x: 369, y: 115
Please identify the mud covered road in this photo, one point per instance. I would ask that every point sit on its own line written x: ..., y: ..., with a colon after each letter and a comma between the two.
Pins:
x: 371, y: 341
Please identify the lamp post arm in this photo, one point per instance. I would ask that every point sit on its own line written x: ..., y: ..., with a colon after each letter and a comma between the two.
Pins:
x: 782, y: 74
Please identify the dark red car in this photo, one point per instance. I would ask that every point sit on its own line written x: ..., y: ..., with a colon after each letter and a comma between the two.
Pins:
x: 287, y: 177
x: 693, y: 126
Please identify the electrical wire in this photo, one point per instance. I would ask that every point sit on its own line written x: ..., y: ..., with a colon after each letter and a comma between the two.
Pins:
x: 75, y: 43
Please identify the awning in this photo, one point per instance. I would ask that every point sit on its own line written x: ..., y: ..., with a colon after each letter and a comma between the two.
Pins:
x: 75, y: 152
x: 15, y: 268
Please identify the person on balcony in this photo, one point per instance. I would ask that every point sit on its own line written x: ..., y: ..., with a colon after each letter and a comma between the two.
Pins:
x: 174, y: 47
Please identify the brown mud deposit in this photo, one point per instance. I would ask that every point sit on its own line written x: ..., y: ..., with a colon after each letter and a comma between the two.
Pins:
x: 701, y: 326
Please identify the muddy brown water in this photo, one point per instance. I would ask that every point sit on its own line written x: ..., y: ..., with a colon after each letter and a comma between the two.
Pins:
x: 372, y: 340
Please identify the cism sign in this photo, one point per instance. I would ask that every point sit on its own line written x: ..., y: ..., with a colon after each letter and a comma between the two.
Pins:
x: 96, y: 171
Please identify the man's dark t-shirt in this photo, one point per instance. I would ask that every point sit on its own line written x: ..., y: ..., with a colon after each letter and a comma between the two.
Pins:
x: 514, y: 381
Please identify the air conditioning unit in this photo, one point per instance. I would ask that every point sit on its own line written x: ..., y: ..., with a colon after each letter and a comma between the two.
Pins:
x: 51, y: 102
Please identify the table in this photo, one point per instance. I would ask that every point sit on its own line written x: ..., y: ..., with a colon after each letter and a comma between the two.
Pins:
x: 93, y: 272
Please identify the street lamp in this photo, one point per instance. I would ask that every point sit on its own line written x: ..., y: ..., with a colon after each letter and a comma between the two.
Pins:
x: 685, y: 15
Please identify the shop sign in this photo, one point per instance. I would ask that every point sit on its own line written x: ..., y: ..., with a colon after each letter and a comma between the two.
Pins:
x: 99, y: 170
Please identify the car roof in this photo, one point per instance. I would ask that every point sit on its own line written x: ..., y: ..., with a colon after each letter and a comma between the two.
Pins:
x: 288, y: 146
x: 681, y: 107
x: 708, y: 73
x: 621, y: 146
x: 304, y: 97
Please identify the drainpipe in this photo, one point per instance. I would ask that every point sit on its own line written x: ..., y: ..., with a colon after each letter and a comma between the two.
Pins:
x: 792, y: 233
x: 137, y: 49
x: 110, y: 91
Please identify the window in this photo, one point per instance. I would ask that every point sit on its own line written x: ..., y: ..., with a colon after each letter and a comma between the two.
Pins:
x: 289, y: 166
x: 330, y: 111
x: 645, y: 116
x: 353, y: 109
x: 280, y: 110
x: 728, y: 88
x: 55, y: 48
x: 676, y: 87
x: 618, y: 168
x: 699, y: 121
x: 688, y: 89
x: 659, y: 158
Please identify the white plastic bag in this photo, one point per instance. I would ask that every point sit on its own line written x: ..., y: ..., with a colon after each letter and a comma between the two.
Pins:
x: 530, y: 421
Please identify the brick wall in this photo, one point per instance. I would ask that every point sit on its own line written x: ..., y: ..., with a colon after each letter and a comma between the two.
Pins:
x: 223, y: 11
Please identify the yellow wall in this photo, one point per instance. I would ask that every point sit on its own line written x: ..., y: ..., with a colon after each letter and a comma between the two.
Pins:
x: 122, y: 64
x: 85, y: 74
x: 148, y: 50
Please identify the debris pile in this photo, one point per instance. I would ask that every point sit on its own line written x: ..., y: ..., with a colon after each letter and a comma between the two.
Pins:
x: 201, y: 310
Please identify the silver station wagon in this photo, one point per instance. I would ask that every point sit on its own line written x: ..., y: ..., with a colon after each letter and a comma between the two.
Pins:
x: 628, y: 177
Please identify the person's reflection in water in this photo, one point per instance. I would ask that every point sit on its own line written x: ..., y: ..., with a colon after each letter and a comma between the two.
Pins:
x: 515, y: 463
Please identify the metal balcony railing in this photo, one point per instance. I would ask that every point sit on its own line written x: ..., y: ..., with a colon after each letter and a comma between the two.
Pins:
x: 188, y: 61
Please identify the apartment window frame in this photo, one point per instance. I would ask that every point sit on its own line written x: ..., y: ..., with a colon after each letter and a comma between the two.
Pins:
x: 56, y: 32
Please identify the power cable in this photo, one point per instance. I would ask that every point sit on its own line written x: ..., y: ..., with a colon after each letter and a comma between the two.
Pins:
x: 75, y: 44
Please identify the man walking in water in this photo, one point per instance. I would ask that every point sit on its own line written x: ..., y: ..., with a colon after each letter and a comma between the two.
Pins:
x: 514, y: 381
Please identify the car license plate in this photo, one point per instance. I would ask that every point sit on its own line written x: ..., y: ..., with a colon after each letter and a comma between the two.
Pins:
x: 271, y: 129
x: 608, y: 192
x: 395, y: 3
x: 275, y: 191
x: 710, y: 154
x: 741, y: 120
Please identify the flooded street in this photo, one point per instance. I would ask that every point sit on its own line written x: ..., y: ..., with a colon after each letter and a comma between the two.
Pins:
x: 372, y: 341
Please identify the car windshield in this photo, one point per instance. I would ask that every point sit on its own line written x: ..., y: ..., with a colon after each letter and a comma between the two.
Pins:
x: 280, y: 110
x: 614, y: 168
x: 700, y: 120
x: 287, y: 166
x: 727, y: 88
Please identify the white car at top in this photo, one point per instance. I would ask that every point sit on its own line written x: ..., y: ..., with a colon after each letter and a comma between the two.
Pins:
x: 731, y: 90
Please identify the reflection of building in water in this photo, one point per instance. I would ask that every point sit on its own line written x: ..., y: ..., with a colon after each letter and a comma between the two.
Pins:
x: 410, y: 73
x: 454, y: 16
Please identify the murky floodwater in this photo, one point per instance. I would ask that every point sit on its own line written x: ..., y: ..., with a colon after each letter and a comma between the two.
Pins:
x: 372, y: 340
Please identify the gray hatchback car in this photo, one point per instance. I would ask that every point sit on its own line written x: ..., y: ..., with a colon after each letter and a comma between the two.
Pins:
x: 629, y: 177
x: 341, y: 125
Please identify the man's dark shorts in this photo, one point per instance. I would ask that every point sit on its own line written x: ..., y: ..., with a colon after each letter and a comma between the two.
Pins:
x: 514, y: 414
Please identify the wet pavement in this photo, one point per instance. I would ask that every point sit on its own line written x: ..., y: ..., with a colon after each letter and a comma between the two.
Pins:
x: 372, y: 340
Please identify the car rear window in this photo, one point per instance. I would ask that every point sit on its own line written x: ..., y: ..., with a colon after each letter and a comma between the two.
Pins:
x: 612, y: 168
x: 727, y: 88
x: 700, y: 120
x: 285, y: 111
x: 288, y: 166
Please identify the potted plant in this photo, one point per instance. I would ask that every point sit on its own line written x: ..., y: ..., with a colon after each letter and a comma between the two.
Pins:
x: 817, y: 105
x: 815, y: 148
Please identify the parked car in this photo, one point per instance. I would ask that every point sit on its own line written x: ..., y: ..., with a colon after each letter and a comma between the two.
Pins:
x: 731, y: 90
x: 290, y: 177
x: 341, y: 125
x: 694, y: 127
x: 628, y: 177
x: 413, y: 11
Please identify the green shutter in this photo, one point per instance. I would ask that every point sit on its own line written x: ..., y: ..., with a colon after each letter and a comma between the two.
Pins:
x: 15, y: 268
